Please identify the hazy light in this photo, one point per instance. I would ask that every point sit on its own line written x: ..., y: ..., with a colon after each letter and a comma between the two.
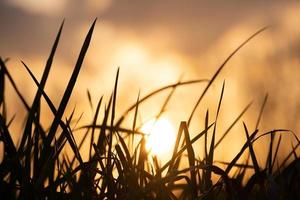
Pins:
x: 45, y: 7
x: 131, y: 54
x: 161, y: 136
x: 98, y: 5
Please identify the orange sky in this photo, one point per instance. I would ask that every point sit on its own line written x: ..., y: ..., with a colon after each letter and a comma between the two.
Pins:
x: 154, y: 44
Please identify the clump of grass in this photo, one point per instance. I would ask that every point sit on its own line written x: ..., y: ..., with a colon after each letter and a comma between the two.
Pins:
x: 37, y: 168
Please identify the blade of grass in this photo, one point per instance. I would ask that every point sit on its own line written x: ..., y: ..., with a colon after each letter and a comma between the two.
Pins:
x: 167, y: 100
x: 2, y: 83
x: 36, y: 101
x: 210, y: 158
x: 205, y: 136
x: 191, y: 158
x: 294, y: 152
x: 237, y: 165
x: 236, y: 158
x: 90, y: 98
x: 271, y: 132
x: 94, y: 123
x: 110, y: 138
x: 175, y: 150
x: 269, y: 160
x: 283, y: 163
x: 122, y: 159
x: 232, y: 125
x: 102, y: 136
x: 220, y: 69
x: 275, y: 154
x: 126, y: 150
x: 157, y: 92
x: 68, y: 135
x: 261, y: 111
x: 11, y: 120
x: 68, y: 91
x: 197, y: 137
x: 10, y: 161
x: 7, y: 139
x: 136, y: 113
x: 105, y: 127
x: 3, y: 67
x: 134, y: 121
x: 252, y: 153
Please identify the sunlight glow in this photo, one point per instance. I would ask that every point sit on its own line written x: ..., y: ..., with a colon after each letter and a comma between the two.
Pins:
x: 131, y: 54
x: 161, y: 136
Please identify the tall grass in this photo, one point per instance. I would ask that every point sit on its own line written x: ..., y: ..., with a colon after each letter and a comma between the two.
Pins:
x: 37, y: 168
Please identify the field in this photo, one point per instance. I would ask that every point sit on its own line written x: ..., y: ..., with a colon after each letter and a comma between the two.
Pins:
x: 119, y: 166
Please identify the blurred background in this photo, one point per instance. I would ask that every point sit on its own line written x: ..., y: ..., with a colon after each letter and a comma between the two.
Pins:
x: 155, y: 44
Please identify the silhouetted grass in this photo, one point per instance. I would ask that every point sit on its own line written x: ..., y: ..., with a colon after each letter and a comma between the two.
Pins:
x: 116, y: 168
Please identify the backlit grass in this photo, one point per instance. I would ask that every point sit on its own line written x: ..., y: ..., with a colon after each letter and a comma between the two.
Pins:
x: 117, y: 168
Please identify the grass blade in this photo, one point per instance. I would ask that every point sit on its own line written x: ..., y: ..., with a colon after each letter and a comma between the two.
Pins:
x: 210, y: 156
x: 197, y: 137
x: 220, y: 69
x: 237, y: 157
x: 69, y: 89
x: 269, y: 160
x: 93, y: 128
x: 232, y: 125
x: 252, y: 153
x: 36, y: 101
x: 275, y: 154
x: 261, y: 111
x: 3, y: 67
x: 191, y: 158
x: 157, y: 92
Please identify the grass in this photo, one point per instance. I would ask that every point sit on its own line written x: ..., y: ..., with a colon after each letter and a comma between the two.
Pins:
x: 37, y: 168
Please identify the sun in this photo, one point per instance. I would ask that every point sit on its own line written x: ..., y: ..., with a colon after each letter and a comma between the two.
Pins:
x: 161, y: 136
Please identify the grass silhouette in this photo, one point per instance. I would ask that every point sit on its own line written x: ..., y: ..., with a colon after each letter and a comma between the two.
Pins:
x: 36, y: 168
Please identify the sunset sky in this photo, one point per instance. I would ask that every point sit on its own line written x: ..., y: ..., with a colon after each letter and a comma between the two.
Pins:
x: 189, y: 28
x: 154, y: 44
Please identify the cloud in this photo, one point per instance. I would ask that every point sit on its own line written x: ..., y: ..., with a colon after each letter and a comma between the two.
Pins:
x: 98, y: 5
x: 45, y: 7
x: 58, y: 7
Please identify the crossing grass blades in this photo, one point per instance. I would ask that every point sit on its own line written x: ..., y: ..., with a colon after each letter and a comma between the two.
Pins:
x: 36, y: 166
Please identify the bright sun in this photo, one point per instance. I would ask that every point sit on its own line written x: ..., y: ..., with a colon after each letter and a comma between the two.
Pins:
x: 161, y: 136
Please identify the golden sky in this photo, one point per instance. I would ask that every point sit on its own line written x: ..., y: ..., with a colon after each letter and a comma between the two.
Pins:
x: 155, y: 43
